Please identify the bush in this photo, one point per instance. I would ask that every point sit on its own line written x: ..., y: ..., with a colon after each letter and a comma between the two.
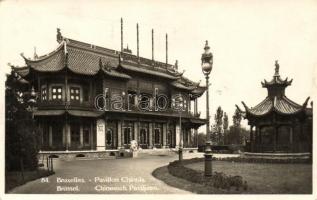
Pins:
x: 22, y: 141
x: 217, y: 180
x: 263, y: 160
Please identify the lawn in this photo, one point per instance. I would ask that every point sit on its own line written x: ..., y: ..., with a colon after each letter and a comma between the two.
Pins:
x: 14, y: 179
x: 267, y: 178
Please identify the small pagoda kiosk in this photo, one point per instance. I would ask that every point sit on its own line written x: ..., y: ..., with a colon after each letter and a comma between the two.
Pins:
x: 278, y: 124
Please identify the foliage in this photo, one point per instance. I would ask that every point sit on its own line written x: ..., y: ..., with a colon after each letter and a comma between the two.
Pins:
x: 22, y: 138
x: 201, y: 139
x: 225, y: 127
x: 218, y: 125
x: 237, y: 117
x: 263, y: 160
x: 236, y: 135
x: 217, y: 180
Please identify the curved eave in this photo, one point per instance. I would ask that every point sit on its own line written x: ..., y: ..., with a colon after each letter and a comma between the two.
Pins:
x: 116, y: 74
x: 22, y: 71
x: 44, y: 57
x: 146, y: 71
x: 181, y: 86
x: 276, y: 81
x: 198, y: 92
x: 75, y: 113
x: 52, y: 62
x: 281, y: 106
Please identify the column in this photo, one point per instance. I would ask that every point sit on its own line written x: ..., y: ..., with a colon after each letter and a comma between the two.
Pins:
x: 64, y: 135
x: 164, y: 134
x: 68, y: 138
x: 81, y: 136
x: 136, y: 128
x: 275, y: 138
x: 50, y: 136
x: 290, y: 147
x: 106, y: 128
x: 195, y: 106
x: 196, y: 137
x: 119, y: 130
x: 177, y: 138
x: 150, y: 135
x: 251, y: 138
x: 100, y: 135
x: 190, y: 138
x: 91, y: 136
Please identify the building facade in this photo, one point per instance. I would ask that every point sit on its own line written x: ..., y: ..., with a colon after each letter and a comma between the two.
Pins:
x: 94, y: 98
x: 278, y: 124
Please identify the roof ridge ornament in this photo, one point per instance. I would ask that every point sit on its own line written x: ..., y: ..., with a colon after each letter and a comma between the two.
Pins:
x: 35, y: 56
x: 277, y: 68
x: 305, y: 103
x: 59, y: 37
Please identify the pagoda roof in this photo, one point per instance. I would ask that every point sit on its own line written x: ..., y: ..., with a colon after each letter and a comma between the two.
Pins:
x: 87, y: 59
x: 83, y: 58
x: 277, y: 81
x: 276, y: 100
x: 281, y: 105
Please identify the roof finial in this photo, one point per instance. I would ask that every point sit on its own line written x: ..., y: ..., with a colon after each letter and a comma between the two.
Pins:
x: 137, y: 40
x: 35, y: 55
x: 206, y: 45
x: 152, y: 44
x: 176, y: 64
x: 59, y: 36
x: 277, y: 68
x: 121, y: 34
x: 166, y: 48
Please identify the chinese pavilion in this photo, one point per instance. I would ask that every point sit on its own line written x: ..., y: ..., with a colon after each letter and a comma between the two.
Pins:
x: 278, y: 124
x: 69, y: 80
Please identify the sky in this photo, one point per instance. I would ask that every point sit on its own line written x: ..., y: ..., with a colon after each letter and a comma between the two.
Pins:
x: 246, y: 37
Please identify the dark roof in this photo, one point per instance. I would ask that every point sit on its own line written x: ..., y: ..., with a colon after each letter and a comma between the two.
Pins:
x: 78, y: 113
x: 152, y: 72
x: 179, y: 85
x: 281, y: 105
x: 277, y: 81
x: 87, y: 59
x: 52, y: 62
x: 276, y: 101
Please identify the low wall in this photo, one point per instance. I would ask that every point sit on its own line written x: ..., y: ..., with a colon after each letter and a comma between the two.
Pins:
x: 72, y: 155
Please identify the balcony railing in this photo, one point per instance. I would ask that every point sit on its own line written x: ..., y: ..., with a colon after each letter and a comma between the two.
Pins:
x: 62, y: 105
x: 65, y: 105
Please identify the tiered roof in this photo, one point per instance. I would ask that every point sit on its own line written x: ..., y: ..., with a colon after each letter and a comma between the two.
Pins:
x: 87, y: 59
x: 276, y: 101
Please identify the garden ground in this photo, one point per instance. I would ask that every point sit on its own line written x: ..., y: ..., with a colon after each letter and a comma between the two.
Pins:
x: 266, y: 178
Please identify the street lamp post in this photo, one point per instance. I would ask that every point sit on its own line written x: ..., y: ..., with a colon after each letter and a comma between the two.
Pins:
x: 180, y: 149
x: 206, y: 65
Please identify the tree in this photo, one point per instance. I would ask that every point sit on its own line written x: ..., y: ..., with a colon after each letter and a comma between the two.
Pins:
x: 22, y: 138
x: 236, y: 134
x: 225, y: 127
x: 218, y: 125
x: 237, y: 117
x: 201, y: 137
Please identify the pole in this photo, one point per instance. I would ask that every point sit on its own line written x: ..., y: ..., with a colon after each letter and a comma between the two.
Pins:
x: 207, y: 108
x: 208, y: 155
x: 180, y: 149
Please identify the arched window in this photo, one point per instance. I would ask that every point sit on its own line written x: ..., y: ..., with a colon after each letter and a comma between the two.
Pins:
x: 143, y: 138
x: 109, y: 136
x: 126, y: 136
x: 157, y: 135
x: 169, y: 137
